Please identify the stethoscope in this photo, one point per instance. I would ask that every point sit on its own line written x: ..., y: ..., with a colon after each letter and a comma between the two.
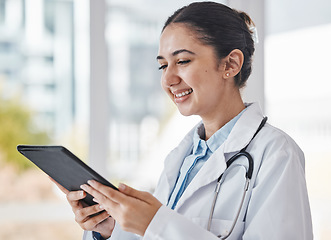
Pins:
x: 249, y: 172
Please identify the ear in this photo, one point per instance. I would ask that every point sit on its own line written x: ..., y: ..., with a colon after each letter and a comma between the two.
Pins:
x: 233, y: 63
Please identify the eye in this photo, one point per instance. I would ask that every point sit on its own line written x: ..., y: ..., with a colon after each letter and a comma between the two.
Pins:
x: 162, y: 67
x: 182, y: 62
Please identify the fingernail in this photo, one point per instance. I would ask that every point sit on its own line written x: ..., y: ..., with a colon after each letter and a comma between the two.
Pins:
x: 90, y: 182
x: 95, y: 200
x: 83, y: 187
x: 81, y: 193
x: 121, y: 186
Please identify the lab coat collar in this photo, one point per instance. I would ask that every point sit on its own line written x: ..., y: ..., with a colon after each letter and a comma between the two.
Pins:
x: 245, y: 128
x: 239, y: 137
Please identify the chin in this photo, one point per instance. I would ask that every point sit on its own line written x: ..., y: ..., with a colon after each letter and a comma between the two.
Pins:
x: 185, y: 113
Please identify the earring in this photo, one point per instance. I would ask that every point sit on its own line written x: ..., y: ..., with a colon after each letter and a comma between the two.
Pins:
x: 227, y: 74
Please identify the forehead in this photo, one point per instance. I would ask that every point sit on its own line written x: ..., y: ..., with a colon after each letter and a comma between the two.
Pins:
x: 178, y: 36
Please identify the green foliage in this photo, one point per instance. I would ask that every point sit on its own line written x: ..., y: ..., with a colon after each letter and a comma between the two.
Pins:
x: 16, y: 127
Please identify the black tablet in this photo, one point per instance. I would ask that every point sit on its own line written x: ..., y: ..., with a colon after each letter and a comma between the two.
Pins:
x: 63, y: 166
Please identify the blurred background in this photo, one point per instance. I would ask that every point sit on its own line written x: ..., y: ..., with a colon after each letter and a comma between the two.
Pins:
x: 83, y: 74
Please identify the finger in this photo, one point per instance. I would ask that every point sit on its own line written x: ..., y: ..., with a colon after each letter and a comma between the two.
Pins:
x: 129, y: 191
x: 76, y: 195
x: 103, y: 191
x: 84, y: 214
x: 99, y: 197
x: 92, y: 222
x: 63, y: 189
x: 74, y: 198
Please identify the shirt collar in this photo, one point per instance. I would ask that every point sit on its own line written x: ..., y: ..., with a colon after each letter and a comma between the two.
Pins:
x: 217, y: 139
x: 198, y: 136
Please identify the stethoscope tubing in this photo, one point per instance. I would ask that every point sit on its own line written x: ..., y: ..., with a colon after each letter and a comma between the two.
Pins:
x: 249, y: 174
x: 217, y: 189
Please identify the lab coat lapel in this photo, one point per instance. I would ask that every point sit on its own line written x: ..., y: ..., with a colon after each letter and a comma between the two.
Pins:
x: 175, y: 158
x: 239, y: 137
x: 211, y: 170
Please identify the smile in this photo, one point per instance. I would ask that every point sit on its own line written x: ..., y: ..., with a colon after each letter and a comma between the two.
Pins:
x: 184, y: 93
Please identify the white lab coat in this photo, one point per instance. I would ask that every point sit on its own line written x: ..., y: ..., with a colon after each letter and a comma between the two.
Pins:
x: 276, y: 205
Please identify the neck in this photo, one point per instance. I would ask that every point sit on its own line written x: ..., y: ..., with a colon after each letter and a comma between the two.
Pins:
x: 223, y: 115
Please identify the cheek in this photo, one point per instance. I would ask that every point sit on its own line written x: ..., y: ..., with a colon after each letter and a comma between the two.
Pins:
x: 197, y: 80
x: 206, y: 84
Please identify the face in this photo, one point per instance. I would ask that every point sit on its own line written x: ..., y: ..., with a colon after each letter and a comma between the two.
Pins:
x: 191, y: 74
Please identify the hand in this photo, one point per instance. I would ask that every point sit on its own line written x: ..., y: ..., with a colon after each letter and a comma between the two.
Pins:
x: 132, y: 209
x: 84, y: 215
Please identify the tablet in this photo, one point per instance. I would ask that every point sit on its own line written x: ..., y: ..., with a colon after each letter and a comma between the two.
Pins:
x: 63, y: 166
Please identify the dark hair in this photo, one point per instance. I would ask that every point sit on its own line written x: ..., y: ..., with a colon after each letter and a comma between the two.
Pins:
x: 221, y: 27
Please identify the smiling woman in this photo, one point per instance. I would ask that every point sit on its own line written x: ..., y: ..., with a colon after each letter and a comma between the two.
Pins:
x: 205, y: 57
x: 189, y: 65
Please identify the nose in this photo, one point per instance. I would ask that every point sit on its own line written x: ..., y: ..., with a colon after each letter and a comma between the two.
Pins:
x: 170, y: 77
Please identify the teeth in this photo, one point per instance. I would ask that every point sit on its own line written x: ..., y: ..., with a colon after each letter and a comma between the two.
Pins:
x: 184, y: 93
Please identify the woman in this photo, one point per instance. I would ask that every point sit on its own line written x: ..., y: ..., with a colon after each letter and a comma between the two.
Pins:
x: 205, y: 56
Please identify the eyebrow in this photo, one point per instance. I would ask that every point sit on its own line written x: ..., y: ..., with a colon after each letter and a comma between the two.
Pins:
x: 176, y: 53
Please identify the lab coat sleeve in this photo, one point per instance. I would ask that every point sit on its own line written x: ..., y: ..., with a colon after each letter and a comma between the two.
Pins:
x: 279, y: 206
x: 168, y: 225
x: 87, y: 235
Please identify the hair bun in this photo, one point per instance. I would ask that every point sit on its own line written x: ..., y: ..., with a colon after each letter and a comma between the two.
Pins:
x: 250, y: 25
x: 247, y: 20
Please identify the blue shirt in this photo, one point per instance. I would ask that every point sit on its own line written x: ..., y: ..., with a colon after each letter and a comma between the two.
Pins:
x: 202, y: 150
x: 97, y: 236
